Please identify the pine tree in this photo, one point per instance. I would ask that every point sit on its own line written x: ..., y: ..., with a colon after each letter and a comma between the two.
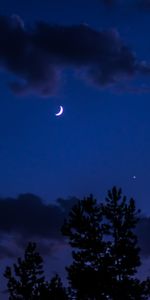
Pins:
x: 28, y: 281
x: 85, y: 233
x: 120, y: 219
x: 57, y: 291
x: 105, y: 252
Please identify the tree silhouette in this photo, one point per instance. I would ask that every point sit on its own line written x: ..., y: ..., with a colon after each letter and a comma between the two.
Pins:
x: 57, y: 291
x: 85, y: 232
x: 28, y: 283
x: 107, y: 256
x: 120, y: 219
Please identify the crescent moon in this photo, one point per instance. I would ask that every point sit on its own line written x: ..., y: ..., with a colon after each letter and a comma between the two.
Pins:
x: 60, y: 112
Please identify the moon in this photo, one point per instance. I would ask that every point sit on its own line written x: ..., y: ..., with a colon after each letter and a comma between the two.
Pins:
x: 60, y: 112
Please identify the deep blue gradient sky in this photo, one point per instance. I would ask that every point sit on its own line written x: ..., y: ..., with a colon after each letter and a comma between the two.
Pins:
x: 101, y: 140
x: 103, y: 136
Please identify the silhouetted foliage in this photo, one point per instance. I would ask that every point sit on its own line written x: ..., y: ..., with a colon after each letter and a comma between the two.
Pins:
x: 85, y: 231
x: 107, y: 256
x: 120, y: 220
x: 57, y: 291
x: 28, y: 281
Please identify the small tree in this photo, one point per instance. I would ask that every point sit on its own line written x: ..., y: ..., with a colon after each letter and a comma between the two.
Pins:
x: 28, y: 281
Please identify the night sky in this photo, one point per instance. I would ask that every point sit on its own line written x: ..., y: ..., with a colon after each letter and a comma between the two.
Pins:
x: 93, y: 58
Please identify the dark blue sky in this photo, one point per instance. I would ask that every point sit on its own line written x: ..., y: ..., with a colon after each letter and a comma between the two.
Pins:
x: 103, y: 136
x: 101, y: 140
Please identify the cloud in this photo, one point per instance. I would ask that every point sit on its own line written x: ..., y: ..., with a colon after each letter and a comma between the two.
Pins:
x: 6, y: 251
x: 27, y: 218
x: 141, y: 4
x: 142, y: 230
x: 145, y: 4
x: 38, y: 56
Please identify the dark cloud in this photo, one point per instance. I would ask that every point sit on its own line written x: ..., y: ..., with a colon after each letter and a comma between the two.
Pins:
x: 28, y: 218
x: 144, y: 4
x: 6, y: 251
x: 142, y: 231
x: 66, y: 205
x: 38, y: 57
x: 130, y: 4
